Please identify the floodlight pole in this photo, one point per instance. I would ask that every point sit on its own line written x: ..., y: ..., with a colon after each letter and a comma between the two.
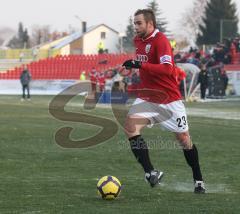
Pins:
x: 221, y: 29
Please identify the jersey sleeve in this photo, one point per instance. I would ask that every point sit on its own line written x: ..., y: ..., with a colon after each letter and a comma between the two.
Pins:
x: 164, y: 51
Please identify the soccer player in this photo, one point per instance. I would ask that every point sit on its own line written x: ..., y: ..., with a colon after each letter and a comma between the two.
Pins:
x: 159, y: 100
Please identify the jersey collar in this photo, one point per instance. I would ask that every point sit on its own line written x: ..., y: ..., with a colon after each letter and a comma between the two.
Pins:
x: 153, y: 34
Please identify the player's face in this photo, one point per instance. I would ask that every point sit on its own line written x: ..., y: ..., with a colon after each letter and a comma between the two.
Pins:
x: 142, y: 28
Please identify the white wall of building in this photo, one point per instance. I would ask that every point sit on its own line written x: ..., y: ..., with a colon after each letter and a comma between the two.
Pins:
x: 92, y: 39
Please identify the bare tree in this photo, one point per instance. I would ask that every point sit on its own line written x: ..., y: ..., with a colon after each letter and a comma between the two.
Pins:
x: 40, y: 34
x: 57, y: 35
x: 192, y: 19
x: 6, y: 35
x: 43, y: 34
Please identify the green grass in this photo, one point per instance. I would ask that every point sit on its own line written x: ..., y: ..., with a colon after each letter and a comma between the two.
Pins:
x: 38, y: 176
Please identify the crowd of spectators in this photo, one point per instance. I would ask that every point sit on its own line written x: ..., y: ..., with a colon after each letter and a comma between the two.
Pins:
x: 221, y: 53
x: 224, y: 52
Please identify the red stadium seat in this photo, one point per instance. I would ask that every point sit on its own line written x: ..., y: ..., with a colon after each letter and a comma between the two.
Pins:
x: 68, y: 67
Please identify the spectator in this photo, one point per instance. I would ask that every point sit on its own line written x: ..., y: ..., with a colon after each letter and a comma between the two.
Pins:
x: 135, y: 78
x: 219, y: 53
x: 83, y: 76
x: 93, y: 79
x: 21, y: 56
x: 35, y: 53
x: 100, y: 47
x: 233, y: 51
x: 25, y: 79
x: 134, y: 82
x: 203, y: 80
x: 224, y: 78
x: 238, y: 44
x: 126, y: 81
x: 177, y: 58
x: 101, y: 80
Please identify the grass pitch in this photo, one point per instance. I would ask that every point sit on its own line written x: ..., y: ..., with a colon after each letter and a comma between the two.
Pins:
x: 38, y: 176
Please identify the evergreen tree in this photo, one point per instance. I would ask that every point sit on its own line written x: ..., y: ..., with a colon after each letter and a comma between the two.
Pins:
x: 220, y: 21
x: 128, y: 39
x: 20, y: 33
x: 25, y: 39
x: 21, y: 40
x: 161, y: 22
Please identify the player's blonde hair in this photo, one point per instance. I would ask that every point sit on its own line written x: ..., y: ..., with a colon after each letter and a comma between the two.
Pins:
x: 148, y: 15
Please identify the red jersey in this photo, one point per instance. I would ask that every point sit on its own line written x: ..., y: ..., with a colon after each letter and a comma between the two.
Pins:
x: 93, y: 76
x: 101, y: 77
x: 156, y: 86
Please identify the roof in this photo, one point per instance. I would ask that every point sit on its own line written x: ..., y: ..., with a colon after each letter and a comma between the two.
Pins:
x: 78, y: 35
x: 51, y: 44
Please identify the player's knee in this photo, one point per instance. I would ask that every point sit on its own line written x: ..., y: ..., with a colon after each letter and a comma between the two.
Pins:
x: 184, y: 140
x: 129, y: 127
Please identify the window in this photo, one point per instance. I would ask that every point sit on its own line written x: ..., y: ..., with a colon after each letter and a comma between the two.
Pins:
x: 103, y: 35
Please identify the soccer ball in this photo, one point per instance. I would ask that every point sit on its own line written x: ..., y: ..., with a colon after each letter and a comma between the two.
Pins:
x: 108, y: 187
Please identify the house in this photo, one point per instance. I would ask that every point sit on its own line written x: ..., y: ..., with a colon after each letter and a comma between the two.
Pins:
x: 87, y: 41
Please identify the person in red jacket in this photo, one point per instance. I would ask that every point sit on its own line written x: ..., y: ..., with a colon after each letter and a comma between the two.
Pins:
x: 93, y: 79
x: 158, y: 98
x: 233, y: 51
x: 101, y: 80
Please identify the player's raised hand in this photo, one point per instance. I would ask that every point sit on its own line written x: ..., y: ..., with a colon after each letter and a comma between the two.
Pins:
x: 129, y: 64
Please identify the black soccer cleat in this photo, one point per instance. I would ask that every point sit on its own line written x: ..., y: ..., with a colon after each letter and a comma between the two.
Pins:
x: 199, y: 187
x: 154, y: 177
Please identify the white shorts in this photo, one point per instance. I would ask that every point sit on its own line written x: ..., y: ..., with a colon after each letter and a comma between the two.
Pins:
x: 171, y: 116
